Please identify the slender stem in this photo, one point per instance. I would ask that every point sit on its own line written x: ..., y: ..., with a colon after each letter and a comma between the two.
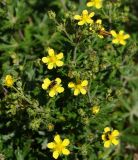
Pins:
x: 89, y: 95
x: 75, y: 54
x: 21, y: 34
x: 104, y: 13
x: 64, y: 30
x: 110, y: 16
x: 21, y: 95
x: 63, y: 3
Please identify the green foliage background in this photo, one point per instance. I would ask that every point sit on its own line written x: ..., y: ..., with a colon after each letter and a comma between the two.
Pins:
x: 29, y: 118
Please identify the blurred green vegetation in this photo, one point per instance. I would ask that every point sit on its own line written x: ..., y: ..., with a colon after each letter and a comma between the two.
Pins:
x: 29, y: 118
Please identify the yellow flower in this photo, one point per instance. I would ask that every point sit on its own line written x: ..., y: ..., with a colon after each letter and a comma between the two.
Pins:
x: 95, y: 3
x: 97, y: 28
x: 95, y: 109
x: 59, y: 146
x: 79, y: 87
x: 110, y: 137
x: 54, y: 87
x: 100, y: 27
x: 50, y: 127
x: 120, y: 37
x: 53, y: 59
x: 9, y: 81
x: 97, y: 25
x: 84, y: 18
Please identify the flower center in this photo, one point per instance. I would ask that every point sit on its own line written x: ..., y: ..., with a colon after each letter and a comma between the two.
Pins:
x: 59, y: 148
x: 78, y: 86
x: 85, y: 17
x: 120, y: 37
x: 55, y: 87
x: 9, y: 81
x: 108, y: 135
x: 53, y: 59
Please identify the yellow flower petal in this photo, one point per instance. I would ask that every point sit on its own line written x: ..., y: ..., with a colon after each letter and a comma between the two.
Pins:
x: 50, y: 66
x: 76, y: 92
x: 126, y: 36
x: 121, y: 32
x: 99, y: 21
x: 113, y: 33
x: 65, y: 142
x: 115, y: 133
x: 65, y: 151
x: 90, y: 4
x: 51, y: 52
x: 115, y: 141
x: 59, y: 63
x: 77, y: 17
x: 59, y: 56
x: 57, y: 139
x: 122, y: 42
x: 115, y: 41
x: 60, y: 89
x: 91, y: 14
x: 89, y: 21
x: 80, y: 23
x: 95, y: 3
x: 107, y: 144
x: 45, y: 59
x: 47, y: 81
x: 103, y: 137
x: 71, y: 85
x: 52, y: 93
x: 84, y: 83
x: 51, y: 145
x: 107, y: 129
x: 85, y: 12
x: 98, y: 5
x: 83, y: 91
x: 58, y: 80
x: 44, y: 86
x: 55, y: 154
x: 8, y: 77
